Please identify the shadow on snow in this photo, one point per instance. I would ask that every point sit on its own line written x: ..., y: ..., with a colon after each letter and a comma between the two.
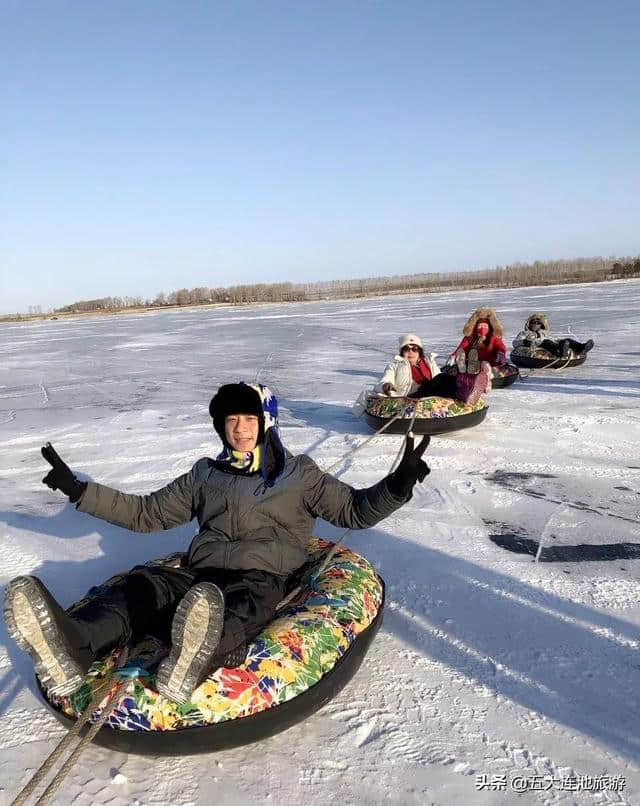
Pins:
x: 332, y: 417
x: 546, y: 653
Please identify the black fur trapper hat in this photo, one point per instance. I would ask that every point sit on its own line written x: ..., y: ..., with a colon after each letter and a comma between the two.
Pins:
x: 235, y: 398
x: 243, y: 398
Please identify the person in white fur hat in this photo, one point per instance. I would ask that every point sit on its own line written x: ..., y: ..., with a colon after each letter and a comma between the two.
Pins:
x: 414, y: 373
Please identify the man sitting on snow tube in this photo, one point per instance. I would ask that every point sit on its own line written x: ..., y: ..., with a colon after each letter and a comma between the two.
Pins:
x: 256, y: 506
x: 537, y: 336
x: 414, y: 373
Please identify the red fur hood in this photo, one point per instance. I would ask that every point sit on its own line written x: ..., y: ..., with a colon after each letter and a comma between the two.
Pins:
x: 484, y: 313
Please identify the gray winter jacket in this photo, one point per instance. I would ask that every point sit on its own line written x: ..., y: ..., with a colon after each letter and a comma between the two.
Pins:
x: 528, y: 339
x: 243, y: 524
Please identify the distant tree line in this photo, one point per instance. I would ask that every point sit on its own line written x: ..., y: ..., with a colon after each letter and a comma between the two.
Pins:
x: 554, y: 272
x: 550, y: 272
x: 233, y: 295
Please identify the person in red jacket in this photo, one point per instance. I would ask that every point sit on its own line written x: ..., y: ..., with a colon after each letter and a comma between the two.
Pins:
x: 482, y: 341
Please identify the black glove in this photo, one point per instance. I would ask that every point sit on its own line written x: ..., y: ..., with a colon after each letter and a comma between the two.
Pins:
x: 410, y: 469
x: 61, y: 478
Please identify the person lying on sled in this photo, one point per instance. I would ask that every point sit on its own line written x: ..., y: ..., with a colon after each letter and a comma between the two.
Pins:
x: 414, y: 373
x: 481, y: 341
x: 537, y: 335
x: 256, y: 506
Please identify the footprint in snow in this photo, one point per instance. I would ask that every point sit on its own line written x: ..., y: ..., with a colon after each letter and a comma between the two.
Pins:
x: 366, y: 733
x: 464, y: 486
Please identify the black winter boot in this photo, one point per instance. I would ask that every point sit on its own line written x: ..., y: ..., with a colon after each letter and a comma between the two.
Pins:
x: 195, y: 635
x: 588, y: 345
x: 473, y: 362
x: 55, y: 641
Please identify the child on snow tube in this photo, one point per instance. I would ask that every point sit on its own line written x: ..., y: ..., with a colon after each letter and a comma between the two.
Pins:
x: 414, y: 373
x: 482, y: 341
x: 537, y: 336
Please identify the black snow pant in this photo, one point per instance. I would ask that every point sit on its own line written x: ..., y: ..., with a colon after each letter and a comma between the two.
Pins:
x: 144, y: 600
x: 556, y: 347
x: 443, y: 385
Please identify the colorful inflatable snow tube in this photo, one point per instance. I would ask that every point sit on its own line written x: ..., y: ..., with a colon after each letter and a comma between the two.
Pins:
x: 435, y: 415
x: 504, y: 375
x: 295, y: 666
x: 541, y: 359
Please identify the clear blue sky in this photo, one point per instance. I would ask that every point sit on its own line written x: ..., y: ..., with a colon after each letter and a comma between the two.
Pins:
x: 149, y: 146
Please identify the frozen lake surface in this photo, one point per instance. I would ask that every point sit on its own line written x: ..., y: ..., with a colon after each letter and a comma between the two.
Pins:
x: 488, y: 664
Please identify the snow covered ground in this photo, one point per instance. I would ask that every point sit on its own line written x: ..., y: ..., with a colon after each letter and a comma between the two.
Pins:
x: 490, y: 669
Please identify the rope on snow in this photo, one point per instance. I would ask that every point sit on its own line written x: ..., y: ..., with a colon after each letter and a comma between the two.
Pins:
x: 362, y: 444
x: 533, y: 370
x: 65, y: 743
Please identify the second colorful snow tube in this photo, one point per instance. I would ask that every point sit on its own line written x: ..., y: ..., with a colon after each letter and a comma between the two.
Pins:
x: 435, y: 415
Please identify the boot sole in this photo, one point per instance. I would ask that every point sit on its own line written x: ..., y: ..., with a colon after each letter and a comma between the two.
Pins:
x: 32, y: 626
x: 195, y: 635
